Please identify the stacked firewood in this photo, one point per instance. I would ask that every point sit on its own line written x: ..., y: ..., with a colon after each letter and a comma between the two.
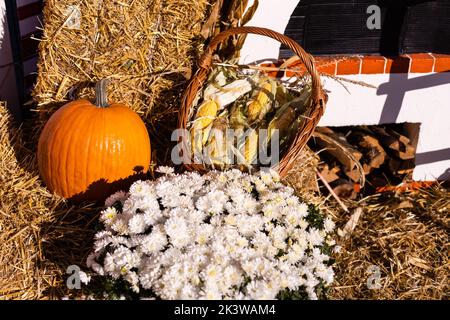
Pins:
x: 373, y: 156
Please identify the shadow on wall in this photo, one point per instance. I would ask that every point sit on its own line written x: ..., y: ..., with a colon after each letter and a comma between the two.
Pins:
x: 434, y: 156
x: 395, y: 89
x: 399, y: 84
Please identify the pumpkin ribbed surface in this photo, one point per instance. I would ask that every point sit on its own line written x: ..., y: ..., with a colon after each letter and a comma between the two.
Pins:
x: 84, y: 149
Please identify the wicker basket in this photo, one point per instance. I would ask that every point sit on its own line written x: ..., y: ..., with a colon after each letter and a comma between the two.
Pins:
x: 318, y: 97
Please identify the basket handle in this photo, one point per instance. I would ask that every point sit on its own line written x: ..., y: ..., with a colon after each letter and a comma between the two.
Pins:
x: 205, y: 60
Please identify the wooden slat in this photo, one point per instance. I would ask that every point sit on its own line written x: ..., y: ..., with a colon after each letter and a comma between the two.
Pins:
x: 29, y: 10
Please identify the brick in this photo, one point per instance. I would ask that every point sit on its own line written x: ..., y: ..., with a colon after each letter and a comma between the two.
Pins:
x: 349, y: 66
x: 326, y: 65
x: 299, y: 67
x: 442, y: 63
x: 373, y: 64
x: 398, y: 64
x: 421, y: 63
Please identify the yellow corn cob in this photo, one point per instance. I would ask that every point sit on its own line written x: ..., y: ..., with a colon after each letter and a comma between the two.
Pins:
x: 206, y: 114
x: 261, y: 102
x: 217, y: 145
x: 282, y: 121
x: 201, y: 125
x: 251, y: 147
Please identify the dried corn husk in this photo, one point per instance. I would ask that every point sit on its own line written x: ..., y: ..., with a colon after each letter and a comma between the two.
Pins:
x: 238, y: 119
x: 228, y: 94
x: 282, y: 95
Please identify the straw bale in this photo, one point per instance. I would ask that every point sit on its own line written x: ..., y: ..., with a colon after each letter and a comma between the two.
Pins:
x: 145, y: 47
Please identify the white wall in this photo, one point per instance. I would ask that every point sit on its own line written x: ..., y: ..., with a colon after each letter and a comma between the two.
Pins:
x: 272, y: 14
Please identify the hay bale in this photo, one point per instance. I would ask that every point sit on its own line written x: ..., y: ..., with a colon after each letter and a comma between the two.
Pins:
x: 406, y: 237
x: 145, y: 47
x: 35, y: 226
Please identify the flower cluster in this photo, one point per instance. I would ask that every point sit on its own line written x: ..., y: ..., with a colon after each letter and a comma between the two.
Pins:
x: 222, y: 235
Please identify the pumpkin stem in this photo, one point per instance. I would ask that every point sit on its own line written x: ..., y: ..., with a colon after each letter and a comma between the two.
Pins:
x: 101, y: 99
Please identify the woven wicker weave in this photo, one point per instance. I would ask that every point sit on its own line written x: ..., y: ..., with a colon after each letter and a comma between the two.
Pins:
x: 318, y: 97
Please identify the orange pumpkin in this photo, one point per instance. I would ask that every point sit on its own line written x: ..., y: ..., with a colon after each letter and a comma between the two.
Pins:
x: 86, y: 150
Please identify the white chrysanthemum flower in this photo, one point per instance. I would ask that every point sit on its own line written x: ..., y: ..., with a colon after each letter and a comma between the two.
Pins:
x: 213, y: 202
x: 119, y: 196
x: 165, y: 170
x: 325, y: 273
x: 303, y: 224
x: 120, y: 262
x: 140, y: 189
x: 267, y: 178
x: 133, y: 279
x: 296, y: 253
x: 165, y: 189
x: 178, y: 231
x: 278, y: 233
x: 270, y: 211
x: 129, y: 206
x: 155, y: 241
x: 196, y: 216
x: 203, y: 233
x: 302, y: 210
x: 249, y: 205
x: 337, y: 249
x: 137, y: 224
x: 262, y: 290
x: 120, y: 226
x: 152, y: 216
x: 92, y: 263
x: 249, y: 225
x: 292, y: 219
x: 84, y: 278
x: 328, y: 225
x: 108, y: 216
x: 314, y: 237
